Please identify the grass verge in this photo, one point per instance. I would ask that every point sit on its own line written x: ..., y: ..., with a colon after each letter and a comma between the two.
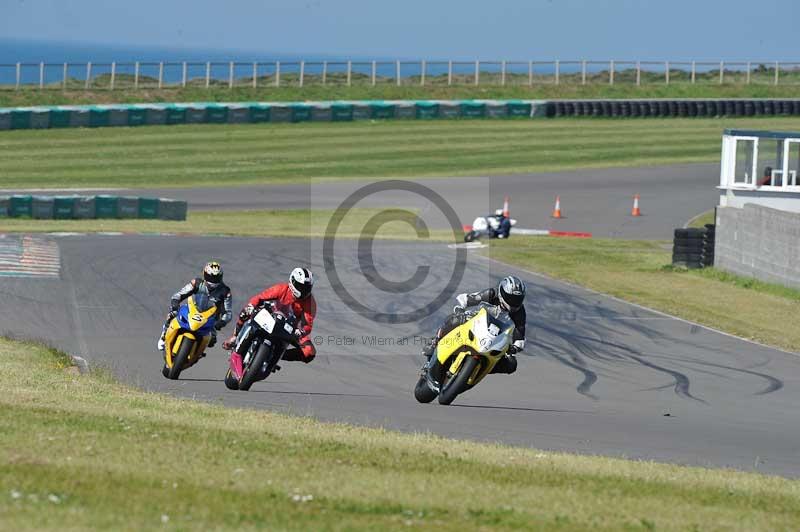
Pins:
x: 76, y: 94
x: 84, y: 452
x: 702, y: 219
x: 221, y: 155
x: 301, y: 223
x: 639, y: 271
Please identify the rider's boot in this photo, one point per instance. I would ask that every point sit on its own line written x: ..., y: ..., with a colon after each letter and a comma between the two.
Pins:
x: 507, y: 365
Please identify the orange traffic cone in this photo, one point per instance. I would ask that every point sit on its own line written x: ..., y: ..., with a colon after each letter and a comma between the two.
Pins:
x: 506, y: 211
x: 635, y: 211
x: 557, y: 208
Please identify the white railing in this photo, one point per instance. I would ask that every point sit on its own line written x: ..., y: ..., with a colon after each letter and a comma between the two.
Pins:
x: 171, y: 74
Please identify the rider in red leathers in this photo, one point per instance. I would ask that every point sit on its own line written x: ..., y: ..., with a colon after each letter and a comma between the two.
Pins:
x: 297, y: 294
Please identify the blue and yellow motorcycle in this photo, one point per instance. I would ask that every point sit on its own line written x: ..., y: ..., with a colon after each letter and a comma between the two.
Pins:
x: 188, y: 334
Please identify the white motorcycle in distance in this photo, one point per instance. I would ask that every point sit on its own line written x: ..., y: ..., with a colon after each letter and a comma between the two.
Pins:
x: 492, y: 226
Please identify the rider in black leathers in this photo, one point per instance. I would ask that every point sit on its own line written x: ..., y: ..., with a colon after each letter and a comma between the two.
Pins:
x: 509, y: 295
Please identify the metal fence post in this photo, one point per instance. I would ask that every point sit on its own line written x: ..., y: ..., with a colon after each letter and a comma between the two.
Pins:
x: 113, y: 73
x: 277, y: 73
x: 230, y: 75
x: 41, y: 75
x: 423, y: 64
x: 638, y: 73
x: 324, y: 72
x: 208, y: 74
x: 611, y: 72
x: 530, y: 73
x: 583, y: 72
x: 160, y: 74
x: 349, y: 72
x: 748, y: 74
x: 302, y: 72
x: 136, y: 75
x: 183, y: 74
x: 503, y: 73
x: 558, y: 71
x: 374, y: 73
x: 777, y: 69
x: 666, y: 72
x: 721, y: 72
x: 694, y: 71
x: 19, y: 75
x: 449, y: 72
x: 64, y: 77
x: 477, y: 72
x: 255, y: 74
x: 397, y: 72
x: 88, y: 75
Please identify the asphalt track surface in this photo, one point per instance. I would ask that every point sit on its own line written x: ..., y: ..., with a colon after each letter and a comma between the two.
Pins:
x: 596, y: 201
x: 599, y: 376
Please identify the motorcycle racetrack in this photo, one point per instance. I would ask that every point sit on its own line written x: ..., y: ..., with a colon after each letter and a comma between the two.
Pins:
x: 598, y: 376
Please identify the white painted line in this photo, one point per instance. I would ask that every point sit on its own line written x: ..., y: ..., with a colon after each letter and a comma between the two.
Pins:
x: 468, y: 245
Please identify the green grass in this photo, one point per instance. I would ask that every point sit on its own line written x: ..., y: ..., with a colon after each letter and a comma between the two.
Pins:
x: 657, y: 89
x: 279, y: 223
x: 84, y: 452
x: 220, y: 155
x: 702, y: 219
x: 639, y: 271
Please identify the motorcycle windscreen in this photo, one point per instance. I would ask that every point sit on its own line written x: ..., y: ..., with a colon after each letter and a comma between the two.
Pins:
x: 201, y: 314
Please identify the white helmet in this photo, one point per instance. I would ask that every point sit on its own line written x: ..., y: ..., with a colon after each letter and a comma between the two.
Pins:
x: 301, y: 281
x: 498, y: 212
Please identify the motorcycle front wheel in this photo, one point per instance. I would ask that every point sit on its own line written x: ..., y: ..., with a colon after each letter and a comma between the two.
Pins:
x: 180, y: 359
x: 458, y: 382
x: 253, y: 370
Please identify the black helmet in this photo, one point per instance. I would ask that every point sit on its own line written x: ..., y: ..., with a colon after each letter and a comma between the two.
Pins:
x: 511, y: 292
x: 212, y: 274
x: 301, y: 281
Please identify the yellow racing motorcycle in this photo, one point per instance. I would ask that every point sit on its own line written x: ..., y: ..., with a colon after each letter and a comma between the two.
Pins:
x: 188, y: 334
x: 465, y: 355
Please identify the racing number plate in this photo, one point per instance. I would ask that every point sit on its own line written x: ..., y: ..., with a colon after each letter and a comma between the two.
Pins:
x: 265, y: 320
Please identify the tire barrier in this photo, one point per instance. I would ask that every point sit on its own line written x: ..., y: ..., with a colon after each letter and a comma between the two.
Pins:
x: 91, y: 207
x: 257, y: 112
x: 693, y: 248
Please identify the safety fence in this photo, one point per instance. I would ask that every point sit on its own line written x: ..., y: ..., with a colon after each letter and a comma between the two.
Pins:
x: 299, y: 73
x: 91, y: 207
x: 253, y: 112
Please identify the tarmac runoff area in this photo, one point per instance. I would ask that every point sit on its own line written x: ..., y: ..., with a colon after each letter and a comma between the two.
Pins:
x: 598, y: 376
x: 594, y: 201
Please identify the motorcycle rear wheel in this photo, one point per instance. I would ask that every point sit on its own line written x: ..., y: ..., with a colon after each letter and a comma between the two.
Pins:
x: 180, y: 360
x: 423, y: 392
x: 458, y: 382
x: 230, y: 381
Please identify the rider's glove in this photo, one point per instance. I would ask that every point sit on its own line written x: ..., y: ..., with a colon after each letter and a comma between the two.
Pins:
x: 461, y: 299
x: 458, y: 310
x: 246, y: 312
x: 172, y: 313
x: 516, y: 347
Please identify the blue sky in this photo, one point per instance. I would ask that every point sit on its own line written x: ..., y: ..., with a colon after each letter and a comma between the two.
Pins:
x: 511, y: 29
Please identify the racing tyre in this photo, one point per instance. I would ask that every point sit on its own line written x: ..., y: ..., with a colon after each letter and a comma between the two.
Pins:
x: 165, y: 371
x: 423, y: 392
x: 180, y: 360
x: 230, y: 381
x: 458, y: 383
x: 469, y: 237
x: 253, y: 370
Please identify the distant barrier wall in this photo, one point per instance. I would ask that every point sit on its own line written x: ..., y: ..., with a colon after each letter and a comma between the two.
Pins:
x: 255, y: 112
x: 91, y: 207
x: 759, y: 242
